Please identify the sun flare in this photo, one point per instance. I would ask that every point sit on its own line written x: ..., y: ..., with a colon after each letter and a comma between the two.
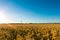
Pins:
x: 2, y: 17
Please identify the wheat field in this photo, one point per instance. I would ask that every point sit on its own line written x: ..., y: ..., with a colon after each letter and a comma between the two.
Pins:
x: 30, y: 31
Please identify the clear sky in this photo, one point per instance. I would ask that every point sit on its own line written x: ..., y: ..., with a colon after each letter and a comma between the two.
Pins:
x: 30, y: 11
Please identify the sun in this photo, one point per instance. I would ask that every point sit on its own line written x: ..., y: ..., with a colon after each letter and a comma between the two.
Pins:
x: 2, y: 17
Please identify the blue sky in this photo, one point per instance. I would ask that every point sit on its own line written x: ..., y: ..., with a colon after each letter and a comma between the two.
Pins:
x: 34, y: 11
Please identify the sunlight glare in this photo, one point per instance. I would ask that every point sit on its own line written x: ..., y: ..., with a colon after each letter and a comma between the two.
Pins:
x: 2, y: 17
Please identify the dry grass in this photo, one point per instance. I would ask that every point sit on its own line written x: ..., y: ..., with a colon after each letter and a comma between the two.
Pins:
x: 29, y: 31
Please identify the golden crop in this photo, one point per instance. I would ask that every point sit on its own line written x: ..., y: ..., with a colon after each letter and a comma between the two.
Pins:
x: 29, y: 31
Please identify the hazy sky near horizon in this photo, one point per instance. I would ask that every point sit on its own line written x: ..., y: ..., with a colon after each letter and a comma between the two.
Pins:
x: 34, y: 11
